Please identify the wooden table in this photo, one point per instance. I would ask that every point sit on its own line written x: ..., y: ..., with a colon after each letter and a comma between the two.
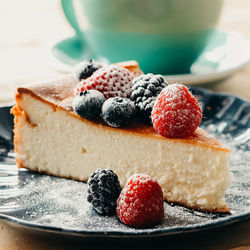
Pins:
x: 28, y: 29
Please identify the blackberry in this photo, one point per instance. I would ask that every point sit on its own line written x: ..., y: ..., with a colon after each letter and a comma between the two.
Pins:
x: 86, y: 68
x: 88, y: 103
x: 118, y: 111
x: 145, y: 89
x: 103, y: 191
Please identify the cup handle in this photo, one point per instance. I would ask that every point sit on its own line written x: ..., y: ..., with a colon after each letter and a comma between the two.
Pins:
x: 68, y: 9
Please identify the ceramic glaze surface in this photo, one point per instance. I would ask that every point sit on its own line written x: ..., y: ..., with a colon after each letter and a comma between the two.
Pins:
x: 225, y: 54
x: 166, y: 31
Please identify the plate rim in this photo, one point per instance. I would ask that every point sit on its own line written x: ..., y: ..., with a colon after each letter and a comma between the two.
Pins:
x: 191, y: 79
x: 137, y: 232
x: 131, y: 234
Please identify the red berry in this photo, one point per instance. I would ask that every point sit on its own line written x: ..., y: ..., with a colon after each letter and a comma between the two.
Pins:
x: 140, y: 203
x: 176, y: 113
x: 112, y: 80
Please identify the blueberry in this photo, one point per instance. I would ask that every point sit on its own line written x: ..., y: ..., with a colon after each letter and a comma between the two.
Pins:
x: 88, y: 104
x: 118, y: 111
x: 86, y: 68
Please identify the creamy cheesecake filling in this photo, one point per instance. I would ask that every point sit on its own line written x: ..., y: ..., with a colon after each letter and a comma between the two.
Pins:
x: 61, y: 145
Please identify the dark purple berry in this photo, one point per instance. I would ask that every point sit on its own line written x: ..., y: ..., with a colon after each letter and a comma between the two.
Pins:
x: 118, y: 111
x: 86, y: 68
x: 145, y: 89
x: 88, y: 103
x: 103, y: 191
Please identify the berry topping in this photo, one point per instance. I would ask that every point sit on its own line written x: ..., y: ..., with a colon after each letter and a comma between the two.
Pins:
x: 176, y: 112
x: 145, y: 89
x: 118, y: 111
x: 103, y: 191
x: 112, y: 80
x: 86, y: 68
x: 140, y: 203
x: 88, y: 103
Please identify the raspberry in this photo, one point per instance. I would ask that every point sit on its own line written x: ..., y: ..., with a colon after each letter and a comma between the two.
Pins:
x: 103, y: 191
x: 176, y: 113
x: 112, y: 80
x: 144, y: 92
x: 140, y: 203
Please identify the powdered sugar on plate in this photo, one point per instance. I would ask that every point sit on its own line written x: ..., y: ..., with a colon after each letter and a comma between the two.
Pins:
x: 58, y: 204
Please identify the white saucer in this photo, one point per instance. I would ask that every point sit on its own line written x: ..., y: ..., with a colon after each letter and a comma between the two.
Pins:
x: 226, y: 53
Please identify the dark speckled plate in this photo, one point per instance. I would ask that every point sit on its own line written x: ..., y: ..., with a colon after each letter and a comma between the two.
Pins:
x: 55, y: 204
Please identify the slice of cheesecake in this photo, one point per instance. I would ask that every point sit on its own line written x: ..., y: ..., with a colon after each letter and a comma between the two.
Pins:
x: 51, y: 138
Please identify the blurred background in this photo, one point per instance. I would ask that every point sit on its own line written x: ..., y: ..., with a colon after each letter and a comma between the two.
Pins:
x: 30, y: 28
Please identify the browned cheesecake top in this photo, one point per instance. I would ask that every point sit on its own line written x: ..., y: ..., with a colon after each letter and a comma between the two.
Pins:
x: 59, y: 94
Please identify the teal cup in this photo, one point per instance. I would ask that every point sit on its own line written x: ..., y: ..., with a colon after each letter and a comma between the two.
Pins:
x: 164, y: 36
